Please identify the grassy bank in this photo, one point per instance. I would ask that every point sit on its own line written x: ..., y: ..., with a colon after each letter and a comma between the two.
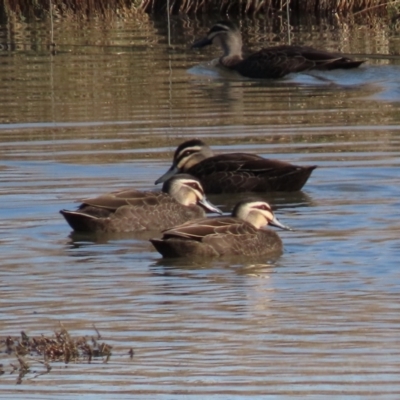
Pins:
x: 38, y: 8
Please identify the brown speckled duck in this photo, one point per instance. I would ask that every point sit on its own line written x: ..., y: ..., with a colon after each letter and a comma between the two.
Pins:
x: 235, y: 172
x: 182, y: 199
x: 271, y: 62
x: 241, y: 234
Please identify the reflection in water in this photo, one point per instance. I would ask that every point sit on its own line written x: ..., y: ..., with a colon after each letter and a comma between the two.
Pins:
x: 79, y: 239
x: 279, y: 200
x: 107, y: 112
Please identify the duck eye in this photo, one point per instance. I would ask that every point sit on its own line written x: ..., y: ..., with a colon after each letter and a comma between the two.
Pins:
x: 264, y: 207
x: 196, y: 186
x: 187, y: 153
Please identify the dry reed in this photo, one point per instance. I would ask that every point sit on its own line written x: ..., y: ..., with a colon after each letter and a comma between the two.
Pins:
x: 88, y: 8
x: 257, y: 6
x: 61, y: 347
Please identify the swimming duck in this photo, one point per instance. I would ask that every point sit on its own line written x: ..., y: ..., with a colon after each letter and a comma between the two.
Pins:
x: 241, y: 234
x: 182, y: 198
x: 271, y: 62
x: 235, y: 172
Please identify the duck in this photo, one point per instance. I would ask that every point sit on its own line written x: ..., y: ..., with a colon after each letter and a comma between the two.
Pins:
x: 235, y: 172
x: 241, y: 234
x: 270, y: 62
x: 182, y: 198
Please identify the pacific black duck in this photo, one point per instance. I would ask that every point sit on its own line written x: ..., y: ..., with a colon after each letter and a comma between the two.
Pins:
x: 241, y: 234
x: 271, y: 62
x: 235, y: 172
x: 182, y: 199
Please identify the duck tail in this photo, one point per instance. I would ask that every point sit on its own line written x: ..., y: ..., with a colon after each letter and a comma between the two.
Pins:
x: 78, y: 221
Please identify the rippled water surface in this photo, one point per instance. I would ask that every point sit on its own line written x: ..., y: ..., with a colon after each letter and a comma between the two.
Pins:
x: 107, y: 112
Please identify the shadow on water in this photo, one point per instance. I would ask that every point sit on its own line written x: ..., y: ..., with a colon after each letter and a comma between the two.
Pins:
x: 235, y: 262
x: 381, y: 82
x: 132, y: 246
x: 279, y: 200
x: 79, y: 239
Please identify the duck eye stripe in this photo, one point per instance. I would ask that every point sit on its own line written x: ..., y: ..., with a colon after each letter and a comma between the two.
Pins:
x: 195, y: 185
x: 218, y: 28
x: 187, y: 152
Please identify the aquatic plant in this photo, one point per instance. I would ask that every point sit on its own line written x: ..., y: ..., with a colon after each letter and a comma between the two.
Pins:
x: 61, y: 347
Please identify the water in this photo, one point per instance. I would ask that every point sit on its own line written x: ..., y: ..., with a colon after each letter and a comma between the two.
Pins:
x: 107, y: 112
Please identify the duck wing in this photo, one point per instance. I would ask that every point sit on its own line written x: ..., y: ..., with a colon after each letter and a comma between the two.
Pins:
x: 278, y: 61
x: 201, y: 229
x: 236, y: 162
x: 129, y: 197
x: 241, y: 172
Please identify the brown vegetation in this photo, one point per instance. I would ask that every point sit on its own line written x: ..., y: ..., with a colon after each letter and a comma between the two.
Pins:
x: 61, y: 347
x: 256, y: 6
x: 87, y: 8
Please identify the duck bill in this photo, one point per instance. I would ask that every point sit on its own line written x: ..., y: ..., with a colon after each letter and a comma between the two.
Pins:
x: 277, y: 224
x: 208, y: 206
x: 169, y: 174
x: 201, y: 43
